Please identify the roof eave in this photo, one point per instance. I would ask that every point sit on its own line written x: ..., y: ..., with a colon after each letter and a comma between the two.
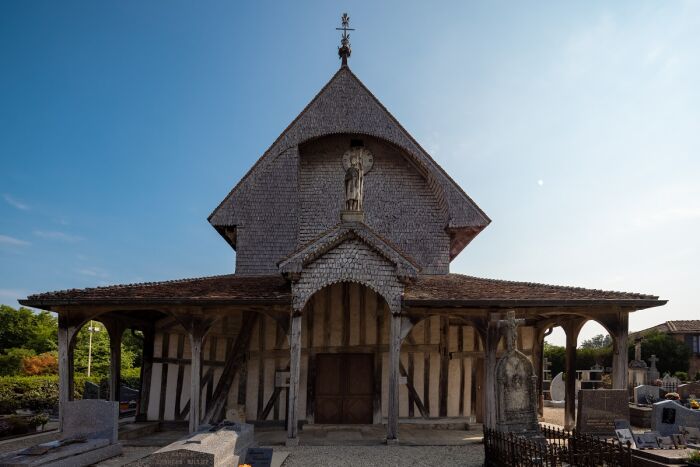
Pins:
x: 637, y: 304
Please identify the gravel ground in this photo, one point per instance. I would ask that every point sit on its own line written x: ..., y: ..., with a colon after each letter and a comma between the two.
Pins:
x: 553, y: 415
x: 384, y: 456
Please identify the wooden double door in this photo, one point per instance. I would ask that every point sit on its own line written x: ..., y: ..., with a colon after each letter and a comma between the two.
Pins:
x: 344, y: 389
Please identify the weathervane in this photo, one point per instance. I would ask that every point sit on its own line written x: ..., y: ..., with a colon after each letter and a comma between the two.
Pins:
x: 344, y: 50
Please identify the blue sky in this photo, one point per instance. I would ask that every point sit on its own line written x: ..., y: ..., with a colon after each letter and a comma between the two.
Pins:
x: 576, y: 127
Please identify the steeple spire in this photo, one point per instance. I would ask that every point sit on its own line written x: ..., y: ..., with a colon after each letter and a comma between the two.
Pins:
x: 344, y: 50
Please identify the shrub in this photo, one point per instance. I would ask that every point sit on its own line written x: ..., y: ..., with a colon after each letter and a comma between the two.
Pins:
x: 682, y: 375
x: 43, y: 364
x: 11, y: 360
x: 40, y: 393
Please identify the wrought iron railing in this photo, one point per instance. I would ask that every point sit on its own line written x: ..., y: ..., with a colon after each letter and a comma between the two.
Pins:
x: 555, y: 448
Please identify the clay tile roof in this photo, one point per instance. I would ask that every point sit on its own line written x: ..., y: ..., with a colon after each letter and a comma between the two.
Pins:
x: 458, y: 289
x: 673, y: 327
x: 227, y: 288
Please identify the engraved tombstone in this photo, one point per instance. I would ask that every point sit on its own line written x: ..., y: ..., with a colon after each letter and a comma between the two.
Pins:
x: 599, y: 408
x: 668, y: 416
x: 516, y: 387
x: 646, y: 394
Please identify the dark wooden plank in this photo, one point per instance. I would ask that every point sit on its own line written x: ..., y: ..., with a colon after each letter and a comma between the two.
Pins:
x: 180, y: 372
x: 460, y: 347
x: 310, y: 388
x: 309, y: 317
x: 163, y: 377
x: 270, y: 403
x: 377, y: 403
x: 426, y: 365
x: 213, y: 342
x: 346, y: 314
x: 444, y: 365
x: 261, y: 363
x: 327, y: 316
x: 363, y: 291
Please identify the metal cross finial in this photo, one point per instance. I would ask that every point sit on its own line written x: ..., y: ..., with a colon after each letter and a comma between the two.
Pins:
x: 344, y: 50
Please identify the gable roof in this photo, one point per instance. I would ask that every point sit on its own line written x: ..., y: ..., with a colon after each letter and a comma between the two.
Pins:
x: 345, y: 105
x: 673, y: 327
x: 405, y: 266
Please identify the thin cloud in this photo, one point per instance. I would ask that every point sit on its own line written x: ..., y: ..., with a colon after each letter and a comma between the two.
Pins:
x: 12, y: 241
x: 93, y: 272
x: 56, y: 235
x: 15, y: 203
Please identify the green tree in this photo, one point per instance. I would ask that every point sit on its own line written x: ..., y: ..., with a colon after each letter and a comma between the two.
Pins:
x: 11, y: 360
x: 22, y: 328
x: 673, y: 355
x: 597, y: 342
x: 131, y: 348
x: 556, y: 355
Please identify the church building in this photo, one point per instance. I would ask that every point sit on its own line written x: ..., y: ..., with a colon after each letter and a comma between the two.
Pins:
x: 342, y: 308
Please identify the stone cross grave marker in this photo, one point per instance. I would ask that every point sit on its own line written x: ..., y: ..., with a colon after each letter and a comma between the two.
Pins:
x: 516, y: 386
x: 653, y: 371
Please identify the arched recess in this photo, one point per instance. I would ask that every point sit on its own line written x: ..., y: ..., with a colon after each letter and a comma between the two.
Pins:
x: 347, y: 323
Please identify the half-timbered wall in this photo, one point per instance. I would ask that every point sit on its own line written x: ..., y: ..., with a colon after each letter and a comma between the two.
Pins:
x: 439, y: 359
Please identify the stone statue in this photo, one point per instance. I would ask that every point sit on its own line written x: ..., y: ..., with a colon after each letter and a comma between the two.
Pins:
x: 354, y: 181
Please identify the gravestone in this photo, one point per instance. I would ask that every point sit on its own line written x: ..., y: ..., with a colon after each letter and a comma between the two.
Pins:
x: 653, y: 374
x: 89, y: 436
x: 646, y: 394
x: 558, y: 389
x: 668, y: 416
x: 688, y: 391
x: 648, y: 440
x: 516, y: 387
x: 259, y: 457
x: 599, y: 408
x: 218, y: 446
x: 91, y: 390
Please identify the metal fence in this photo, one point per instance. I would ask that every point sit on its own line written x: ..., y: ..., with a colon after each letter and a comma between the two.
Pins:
x: 555, y: 448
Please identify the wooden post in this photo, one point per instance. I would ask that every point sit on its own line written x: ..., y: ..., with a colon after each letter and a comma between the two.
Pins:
x: 620, y: 357
x: 115, y: 358
x: 392, y: 427
x: 196, y: 338
x: 146, y: 373
x: 571, y: 329
x: 537, y: 354
x: 294, y: 370
x: 489, y: 392
x: 64, y: 366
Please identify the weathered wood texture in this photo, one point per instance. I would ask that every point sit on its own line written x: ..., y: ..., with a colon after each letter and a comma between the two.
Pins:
x: 437, y: 359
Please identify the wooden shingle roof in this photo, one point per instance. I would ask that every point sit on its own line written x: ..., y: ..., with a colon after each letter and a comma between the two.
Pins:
x: 214, y: 289
x: 462, y: 290
x: 428, y: 290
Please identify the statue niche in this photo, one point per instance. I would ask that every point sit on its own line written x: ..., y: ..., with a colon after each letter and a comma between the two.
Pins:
x: 357, y: 161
